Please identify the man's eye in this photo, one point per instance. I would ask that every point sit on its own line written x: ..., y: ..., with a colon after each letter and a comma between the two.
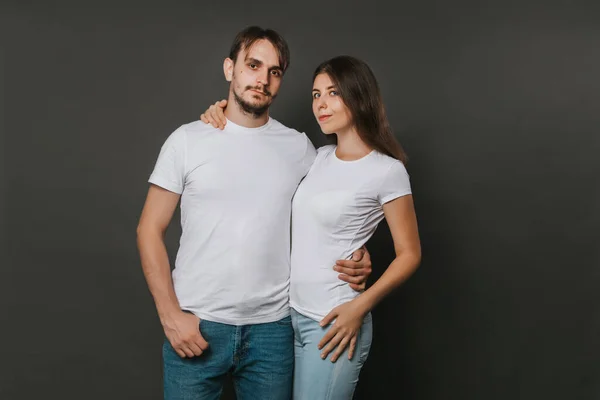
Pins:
x: 276, y: 73
x: 253, y: 66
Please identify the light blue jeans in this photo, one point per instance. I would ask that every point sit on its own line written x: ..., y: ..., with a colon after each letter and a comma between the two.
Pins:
x: 318, y: 379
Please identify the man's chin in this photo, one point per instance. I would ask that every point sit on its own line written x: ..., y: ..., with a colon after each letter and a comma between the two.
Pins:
x: 258, y: 105
x: 256, y: 100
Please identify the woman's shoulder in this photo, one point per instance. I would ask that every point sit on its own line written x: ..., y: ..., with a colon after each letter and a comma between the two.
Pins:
x: 387, y: 161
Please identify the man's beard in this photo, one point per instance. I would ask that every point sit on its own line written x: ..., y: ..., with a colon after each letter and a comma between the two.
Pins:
x: 255, y: 110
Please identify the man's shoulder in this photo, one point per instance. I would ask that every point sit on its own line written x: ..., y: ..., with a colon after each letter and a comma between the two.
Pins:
x: 198, y: 127
x: 327, y: 149
x: 277, y: 127
x: 195, y: 132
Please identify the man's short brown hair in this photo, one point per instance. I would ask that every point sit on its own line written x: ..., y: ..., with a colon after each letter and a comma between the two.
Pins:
x: 246, y: 38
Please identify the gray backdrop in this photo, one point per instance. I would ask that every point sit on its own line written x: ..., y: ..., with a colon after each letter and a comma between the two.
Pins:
x: 497, y: 104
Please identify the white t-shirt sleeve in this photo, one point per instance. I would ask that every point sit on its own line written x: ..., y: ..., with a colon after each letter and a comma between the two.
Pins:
x: 309, y: 154
x: 169, y: 171
x: 396, y: 183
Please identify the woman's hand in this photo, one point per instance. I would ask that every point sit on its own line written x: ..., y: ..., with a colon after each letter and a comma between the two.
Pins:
x: 215, y: 115
x: 348, y: 320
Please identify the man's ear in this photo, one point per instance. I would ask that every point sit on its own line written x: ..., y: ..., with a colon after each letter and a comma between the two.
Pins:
x: 228, y: 69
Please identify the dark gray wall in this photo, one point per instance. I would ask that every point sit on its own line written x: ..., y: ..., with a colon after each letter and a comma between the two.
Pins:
x: 497, y: 104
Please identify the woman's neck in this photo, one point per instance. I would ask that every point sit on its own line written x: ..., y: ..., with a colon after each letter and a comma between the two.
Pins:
x: 350, y: 146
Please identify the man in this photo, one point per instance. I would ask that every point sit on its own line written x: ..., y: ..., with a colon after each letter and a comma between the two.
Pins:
x: 225, y: 308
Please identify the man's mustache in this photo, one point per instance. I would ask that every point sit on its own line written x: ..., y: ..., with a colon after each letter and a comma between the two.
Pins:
x: 258, y: 89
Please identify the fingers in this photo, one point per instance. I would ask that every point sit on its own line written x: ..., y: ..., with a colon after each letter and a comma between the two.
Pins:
x: 191, y: 347
x: 213, y: 116
x: 358, y: 287
x: 366, y: 255
x: 328, y: 318
x: 340, y: 348
x: 201, y: 342
x: 179, y: 352
x: 219, y: 113
x: 207, y: 118
x: 185, y: 350
x: 328, y: 336
x: 198, y: 345
x: 188, y: 342
x: 358, y: 255
x: 352, y: 270
x: 195, y: 349
x: 351, y: 264
x: 332, y: 344
x: 352, y: 347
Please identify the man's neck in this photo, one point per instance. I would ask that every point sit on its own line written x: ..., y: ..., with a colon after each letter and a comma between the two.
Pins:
x: 235, y: 114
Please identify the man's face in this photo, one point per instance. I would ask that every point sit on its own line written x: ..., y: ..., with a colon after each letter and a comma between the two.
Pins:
x: 255, y: 77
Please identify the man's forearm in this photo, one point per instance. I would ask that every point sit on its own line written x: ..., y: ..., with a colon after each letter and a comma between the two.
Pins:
x: 155, y: 264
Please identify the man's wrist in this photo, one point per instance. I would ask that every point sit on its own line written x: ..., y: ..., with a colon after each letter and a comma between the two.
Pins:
x: 167, y: 313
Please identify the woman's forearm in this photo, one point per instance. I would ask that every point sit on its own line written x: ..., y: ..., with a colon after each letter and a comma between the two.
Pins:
x: 403, y: 266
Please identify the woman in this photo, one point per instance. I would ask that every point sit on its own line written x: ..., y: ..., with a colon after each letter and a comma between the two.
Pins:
x: 352, y: 185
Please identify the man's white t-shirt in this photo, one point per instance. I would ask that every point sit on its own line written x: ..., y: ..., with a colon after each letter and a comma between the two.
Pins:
x: 236, y: 186
x: 335, y: 211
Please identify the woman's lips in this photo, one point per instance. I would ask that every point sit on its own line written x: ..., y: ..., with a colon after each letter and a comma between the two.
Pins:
x: 324, y: 118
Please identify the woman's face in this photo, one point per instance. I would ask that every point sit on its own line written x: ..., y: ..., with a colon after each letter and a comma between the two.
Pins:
x: 330, y: 111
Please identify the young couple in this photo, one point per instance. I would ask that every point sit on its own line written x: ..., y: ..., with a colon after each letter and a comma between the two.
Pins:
x: 236, y: 301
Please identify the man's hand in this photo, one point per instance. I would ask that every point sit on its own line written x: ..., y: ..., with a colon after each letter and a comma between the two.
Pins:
x: 183, y: 331
x: 355, y: 271
x: 215, y: 115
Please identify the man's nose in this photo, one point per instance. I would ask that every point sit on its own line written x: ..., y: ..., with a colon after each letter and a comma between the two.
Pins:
x: 263, y: 78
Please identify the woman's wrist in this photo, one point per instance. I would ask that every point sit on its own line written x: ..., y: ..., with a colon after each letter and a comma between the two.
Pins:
x: 363, y: 304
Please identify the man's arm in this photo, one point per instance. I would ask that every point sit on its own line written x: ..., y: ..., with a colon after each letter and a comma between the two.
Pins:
x: 182, y: 329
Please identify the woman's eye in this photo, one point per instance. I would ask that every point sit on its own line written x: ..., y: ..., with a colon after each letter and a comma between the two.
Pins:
x: 316, y: 95
x: 333, y: 93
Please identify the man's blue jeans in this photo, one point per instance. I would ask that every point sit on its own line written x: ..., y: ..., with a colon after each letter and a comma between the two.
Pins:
x: 260, y: 358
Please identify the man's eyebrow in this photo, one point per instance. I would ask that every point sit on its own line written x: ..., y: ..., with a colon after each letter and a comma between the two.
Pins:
x: 254, y: 61
x: 260, y: 63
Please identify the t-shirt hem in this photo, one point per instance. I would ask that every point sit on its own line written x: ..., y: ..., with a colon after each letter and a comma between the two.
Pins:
x: 306, y: 313
x: 394, y: 196
x: 165, y: 184
x: 264, y: 319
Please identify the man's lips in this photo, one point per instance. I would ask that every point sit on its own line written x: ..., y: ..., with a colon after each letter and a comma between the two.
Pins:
x: 324, y: 118
x: 259, y: 92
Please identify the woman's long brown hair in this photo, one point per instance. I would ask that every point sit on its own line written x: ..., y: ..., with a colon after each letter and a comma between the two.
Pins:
x: 360, y: 92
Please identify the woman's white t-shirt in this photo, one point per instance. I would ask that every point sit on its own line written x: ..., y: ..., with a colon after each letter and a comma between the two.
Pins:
x: 335, y: 211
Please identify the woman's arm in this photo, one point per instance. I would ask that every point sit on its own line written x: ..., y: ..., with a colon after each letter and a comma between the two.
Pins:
x: 400, y: 216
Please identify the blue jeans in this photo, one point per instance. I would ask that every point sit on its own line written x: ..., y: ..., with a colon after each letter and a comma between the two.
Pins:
x: 259, y: 357
x: 318, y: 379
